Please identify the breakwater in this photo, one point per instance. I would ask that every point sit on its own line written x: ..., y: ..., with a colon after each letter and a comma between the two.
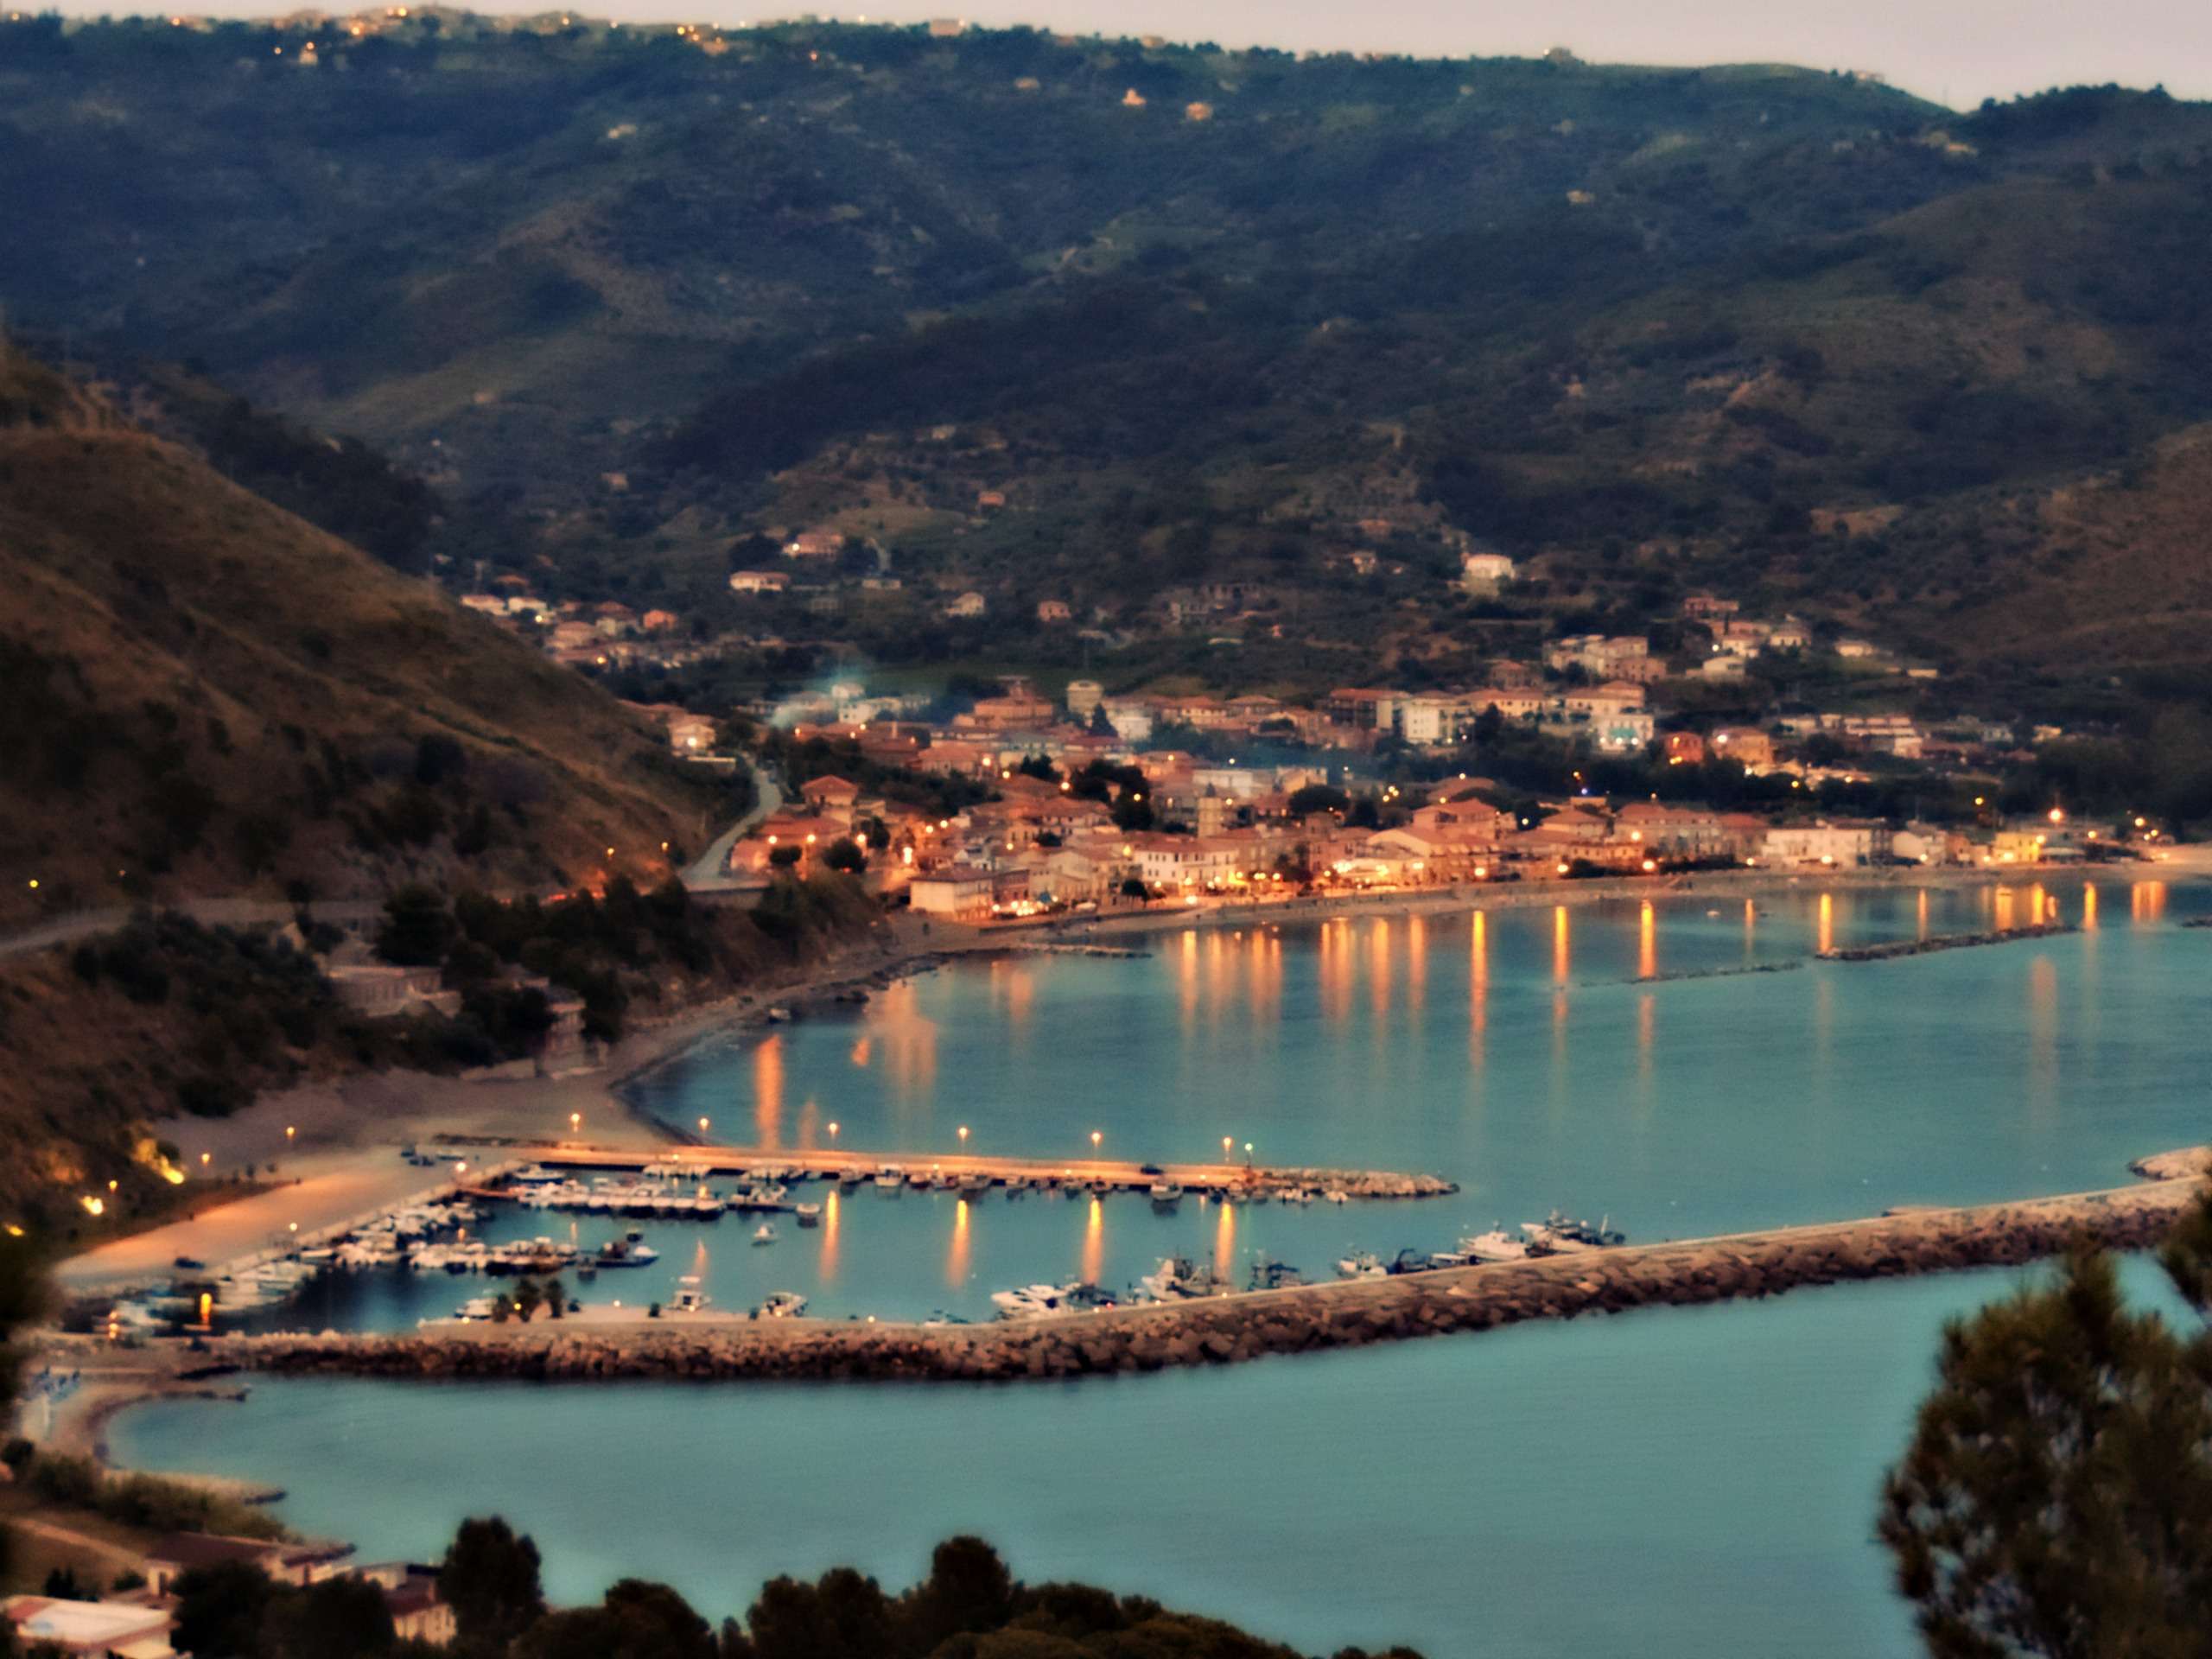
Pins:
x: 697, y: 1162
x: 1897, y: 948
x: 1230, y: 1329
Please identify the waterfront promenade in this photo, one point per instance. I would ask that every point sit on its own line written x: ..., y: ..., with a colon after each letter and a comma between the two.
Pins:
x: 1230, y: 1329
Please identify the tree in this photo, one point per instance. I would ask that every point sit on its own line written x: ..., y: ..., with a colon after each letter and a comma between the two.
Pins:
x: 783, y: 857
x: 969, y: 1590
x: 557, y: 1299
x: 490, y: 1577
x: 1133, y: 888
x: 528, y: 1298
x: 333, y: 1618
x: 220, y: 1610
x: 845, y: 1613
x: 2056, y: 1497
x: 845, y: 855
x: 417, y: 928
x: 1316, y: 797
x: 636, y: 1620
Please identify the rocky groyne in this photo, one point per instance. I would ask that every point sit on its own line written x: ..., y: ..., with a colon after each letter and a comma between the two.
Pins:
x: 1897, y: 948
x: 1230, y: 1329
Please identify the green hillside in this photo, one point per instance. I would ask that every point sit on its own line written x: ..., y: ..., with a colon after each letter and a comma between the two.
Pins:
x: 632, y: 296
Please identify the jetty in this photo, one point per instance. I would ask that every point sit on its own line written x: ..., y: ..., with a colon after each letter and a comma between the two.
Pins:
x: 1897, y: 948
x: 692, y: 1163
x: 1226, y: 1330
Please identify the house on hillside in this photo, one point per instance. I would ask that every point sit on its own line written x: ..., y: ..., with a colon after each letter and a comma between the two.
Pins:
x: 1051, y: 611
x: 52, y: 1624
x: 178, y: 1553
x: 815, y: 544
x: 759, y: 581
x: 969, y: 604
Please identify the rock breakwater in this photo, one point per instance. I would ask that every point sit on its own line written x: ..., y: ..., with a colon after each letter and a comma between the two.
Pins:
x: 1230, y: 1329
x: 1945, y: 942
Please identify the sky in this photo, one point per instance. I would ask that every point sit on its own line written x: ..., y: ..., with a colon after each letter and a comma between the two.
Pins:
x: 1957, y: 51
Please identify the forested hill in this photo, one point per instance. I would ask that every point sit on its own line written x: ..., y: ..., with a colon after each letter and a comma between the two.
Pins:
x: 206, y: 696
x: 636, y: 294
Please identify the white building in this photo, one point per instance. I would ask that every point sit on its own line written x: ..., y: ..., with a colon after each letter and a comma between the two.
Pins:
x: 1823, y: 842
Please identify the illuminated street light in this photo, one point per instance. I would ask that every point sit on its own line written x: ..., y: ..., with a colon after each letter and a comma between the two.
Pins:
x: 1096, y: 1137
x: 833, y: 1131
x: 963, y: 1134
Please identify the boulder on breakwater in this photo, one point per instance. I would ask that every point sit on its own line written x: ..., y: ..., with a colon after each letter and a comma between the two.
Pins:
x: 1897, y: 948
x: 1230, y: 1329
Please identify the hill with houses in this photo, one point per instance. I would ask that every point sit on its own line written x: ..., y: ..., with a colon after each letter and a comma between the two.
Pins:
x: 1180, y: 364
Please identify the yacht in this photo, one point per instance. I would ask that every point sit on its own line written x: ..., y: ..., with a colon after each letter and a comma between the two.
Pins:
x: 1268, y: 1273
x: 1035, y: 1302
x: 765, y: 1233
x: 476, y: 1308
x: 810, y: 1215
x: 781, y: 1305
x: 1177, y: 1280
x: 1496, y: 1245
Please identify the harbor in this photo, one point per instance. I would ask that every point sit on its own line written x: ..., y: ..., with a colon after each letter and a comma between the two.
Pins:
x: 1233, y: 1328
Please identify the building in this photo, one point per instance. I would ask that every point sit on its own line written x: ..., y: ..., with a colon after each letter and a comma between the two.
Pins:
x: 1683, y: 749
x: 815, y: 544
x: 1746, y: 745
x: 1484, y: 572
x: 690, y: 734
x: 112, y: 1629
x: 179, y: 1553
x: 1052, y: 612
x: 1820, y: 842
x: 410, y: 1596
x: 484, y: 604
x: 1189, y: 861
x: 955, y: 895
x: 969, y: 604
x: 759, y: 581
x: 1083, y: 696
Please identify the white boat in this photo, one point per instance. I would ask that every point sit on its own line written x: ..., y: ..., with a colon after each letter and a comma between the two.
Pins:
x: 689, y: 1298
x: 810, y: 1215
x: 1031, y: 1302
x: 1176, y: 1279
x: 781, y: 1305
x: 476, y: 1308
x: 1362, y: 1264
x: 626, y: 1253
x: 765, y: 1233
x: 1165, y: 1193
x: 1496, y: 1245
x: 890, y: 1178
x: 1545, y: 1240
x: 1338, y: 1195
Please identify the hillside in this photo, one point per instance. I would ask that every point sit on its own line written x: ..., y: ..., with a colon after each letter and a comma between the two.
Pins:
x: 636, y: 296
x: 208, y: 696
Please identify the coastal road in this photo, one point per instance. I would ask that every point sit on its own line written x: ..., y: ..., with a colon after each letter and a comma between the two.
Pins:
x: 706, y: 874
x: 333, y: 1189
x: 211, y: 913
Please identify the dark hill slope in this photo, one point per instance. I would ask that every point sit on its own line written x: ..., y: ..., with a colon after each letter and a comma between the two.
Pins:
x: 208, y: 695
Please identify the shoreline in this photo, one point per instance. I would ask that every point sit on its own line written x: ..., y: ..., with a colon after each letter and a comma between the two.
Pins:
x: 1206, y: 1331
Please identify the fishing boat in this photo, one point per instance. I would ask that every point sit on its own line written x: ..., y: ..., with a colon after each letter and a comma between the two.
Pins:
x: 689, y: 1298
x: 1496, y: 1245
x: 626, y: 1253
x: 765, y: 1233
x: 781, y: 1305
x: 1361, y: 1264
x: 1166, y: 1194
x: 1177, y: 1280
x: 1268, y: 1273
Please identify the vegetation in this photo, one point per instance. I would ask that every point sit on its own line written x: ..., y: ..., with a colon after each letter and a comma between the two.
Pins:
x: 2057, y: 1498
x: 1792, y: 334
x: 211, y: 695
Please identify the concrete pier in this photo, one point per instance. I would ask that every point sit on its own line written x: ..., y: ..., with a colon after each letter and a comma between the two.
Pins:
x: 701, y: 1162
x: 1228, y: 1329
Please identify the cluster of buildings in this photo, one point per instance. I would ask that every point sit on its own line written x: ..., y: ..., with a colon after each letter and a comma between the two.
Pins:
x: 1248, y: 826
x: 141, y: 1624
x: 606, y: 634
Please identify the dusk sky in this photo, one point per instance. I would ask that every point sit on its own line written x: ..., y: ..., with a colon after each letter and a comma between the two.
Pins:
x: 1961, y: 51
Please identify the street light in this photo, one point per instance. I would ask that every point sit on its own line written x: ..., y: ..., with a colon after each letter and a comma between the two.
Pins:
x: 833, y: 1131
x: 963, y: 1134
x: 702, y: 1126
x: 575, y: 1121
x: 1095, y: 1139
x: 290, y: 1130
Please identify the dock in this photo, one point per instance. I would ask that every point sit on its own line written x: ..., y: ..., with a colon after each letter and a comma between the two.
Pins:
x: 816, y: 1163
x: 1224, y: 1329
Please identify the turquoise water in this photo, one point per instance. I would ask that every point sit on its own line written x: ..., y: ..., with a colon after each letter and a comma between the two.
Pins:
x: 1521, y: 1058
x: 1687, y: 1482
x: 1673, y: 1483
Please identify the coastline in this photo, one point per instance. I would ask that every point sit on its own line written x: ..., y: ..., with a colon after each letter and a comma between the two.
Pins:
x: 1233, y: 1329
